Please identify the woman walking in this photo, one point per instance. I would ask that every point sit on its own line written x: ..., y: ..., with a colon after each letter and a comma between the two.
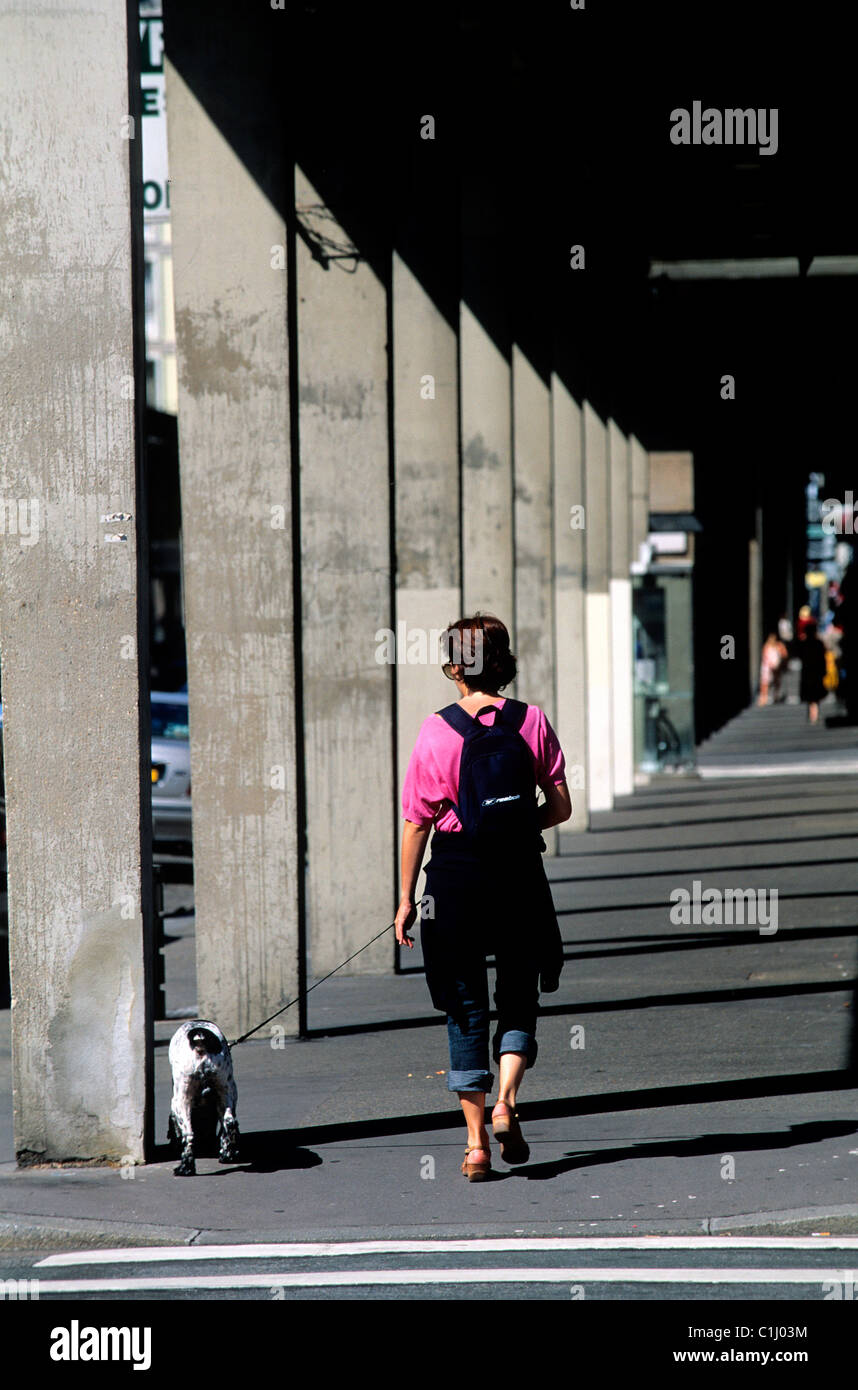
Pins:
x: 812, y: 655
x: 473, y: 775
x: 774, y: 654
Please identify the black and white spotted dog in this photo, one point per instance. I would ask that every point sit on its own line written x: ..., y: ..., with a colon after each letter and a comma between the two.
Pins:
x: 205, y: 1097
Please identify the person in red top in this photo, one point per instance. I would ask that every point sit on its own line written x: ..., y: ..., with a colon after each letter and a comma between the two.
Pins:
x: 482, y: 905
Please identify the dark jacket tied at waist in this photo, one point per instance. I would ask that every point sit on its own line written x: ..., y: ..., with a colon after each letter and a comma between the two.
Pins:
x: 477, y: 899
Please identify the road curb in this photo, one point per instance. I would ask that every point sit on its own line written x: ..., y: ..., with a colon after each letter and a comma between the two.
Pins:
x: 792, y: 1216
x: 43, y: 1232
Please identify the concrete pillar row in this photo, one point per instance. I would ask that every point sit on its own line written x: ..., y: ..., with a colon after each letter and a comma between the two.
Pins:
x: 622, y: 686
x: 600, y: 738
x: 73, y: 593
x: 569, y: 518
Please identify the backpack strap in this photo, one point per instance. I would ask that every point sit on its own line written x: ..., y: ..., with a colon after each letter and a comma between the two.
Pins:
x: 513, y: 713
x: 457, y: 719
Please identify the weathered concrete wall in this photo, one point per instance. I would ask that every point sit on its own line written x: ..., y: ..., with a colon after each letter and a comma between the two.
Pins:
x: 621, y: 611
x: 234, y: 443
x: 569, y: 594
x: 599, y: 695
x: 534, y: 548
x: 345, y: 558
x: 72, y: 612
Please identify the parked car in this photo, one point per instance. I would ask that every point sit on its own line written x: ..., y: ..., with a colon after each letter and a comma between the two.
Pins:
x: 171, y: 766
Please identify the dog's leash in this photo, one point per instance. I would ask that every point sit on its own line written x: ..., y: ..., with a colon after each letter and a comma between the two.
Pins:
x: 251, y: 1032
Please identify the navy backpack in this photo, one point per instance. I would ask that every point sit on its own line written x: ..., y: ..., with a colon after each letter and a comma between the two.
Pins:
x: 497, y: 780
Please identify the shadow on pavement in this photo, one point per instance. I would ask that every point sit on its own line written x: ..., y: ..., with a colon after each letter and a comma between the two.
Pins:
x: 280, y: 1146
x: 810, y: 1132
x: 261, y: 1151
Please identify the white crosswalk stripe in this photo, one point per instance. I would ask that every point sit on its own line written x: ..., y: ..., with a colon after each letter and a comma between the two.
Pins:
x: 578, y: 1274
x: 765, y: 1261
x: 478, y: 1245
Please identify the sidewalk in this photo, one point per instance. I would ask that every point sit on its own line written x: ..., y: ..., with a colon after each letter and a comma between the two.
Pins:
x: 707, y: 1092
x: 779, y: 740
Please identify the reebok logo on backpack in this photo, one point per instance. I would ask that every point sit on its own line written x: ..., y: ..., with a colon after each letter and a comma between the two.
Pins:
x: 497, y: 781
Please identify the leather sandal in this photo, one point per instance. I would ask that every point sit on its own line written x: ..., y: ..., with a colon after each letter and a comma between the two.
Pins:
x: 513, y: 1146
x: 479, y: 1169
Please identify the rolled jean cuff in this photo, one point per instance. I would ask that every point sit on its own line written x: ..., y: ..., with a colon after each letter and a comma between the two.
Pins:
x: 473, y: 1080
x: 513, y: 1040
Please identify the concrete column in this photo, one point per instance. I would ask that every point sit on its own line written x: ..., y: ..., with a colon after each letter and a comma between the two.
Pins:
x: 234, y: 448
x: 534, y: 541
x: 424, y: 313
x: 72, y: 600
x: 567, y: 454
x: 426, y: 441
x: 639, y: 520
x: 533, y: 533
x: 487, y: 539
x: 755, y: 617
x: 619, y: 452
x: 599, y: 696
x: 347, y: 601
x: 486, y: 405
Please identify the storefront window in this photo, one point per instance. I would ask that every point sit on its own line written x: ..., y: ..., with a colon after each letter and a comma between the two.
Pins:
x: 664, y: 673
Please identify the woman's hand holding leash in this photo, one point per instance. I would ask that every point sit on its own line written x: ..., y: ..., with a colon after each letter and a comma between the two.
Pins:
x: 404, y: 919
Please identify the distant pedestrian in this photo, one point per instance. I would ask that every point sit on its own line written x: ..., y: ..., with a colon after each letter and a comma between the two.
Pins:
x: 473, y: 775
x: 771, y: 666
x: 811, y: 653
x: 805, y: 618
x: 831, y: 639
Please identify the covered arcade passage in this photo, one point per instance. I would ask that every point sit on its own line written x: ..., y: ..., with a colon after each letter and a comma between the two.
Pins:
x: 425, y: 309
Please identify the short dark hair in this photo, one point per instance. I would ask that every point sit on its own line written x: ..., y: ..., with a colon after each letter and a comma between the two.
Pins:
x: 488, y: 639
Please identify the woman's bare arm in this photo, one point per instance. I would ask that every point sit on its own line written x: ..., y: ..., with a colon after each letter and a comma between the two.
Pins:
x: 557, y: 806
x: 414, y: 839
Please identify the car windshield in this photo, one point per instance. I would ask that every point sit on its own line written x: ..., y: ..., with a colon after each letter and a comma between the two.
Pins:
x: 169, y: 721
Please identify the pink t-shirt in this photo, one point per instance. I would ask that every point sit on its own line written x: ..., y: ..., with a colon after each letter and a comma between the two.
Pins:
x: 432, y: 779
